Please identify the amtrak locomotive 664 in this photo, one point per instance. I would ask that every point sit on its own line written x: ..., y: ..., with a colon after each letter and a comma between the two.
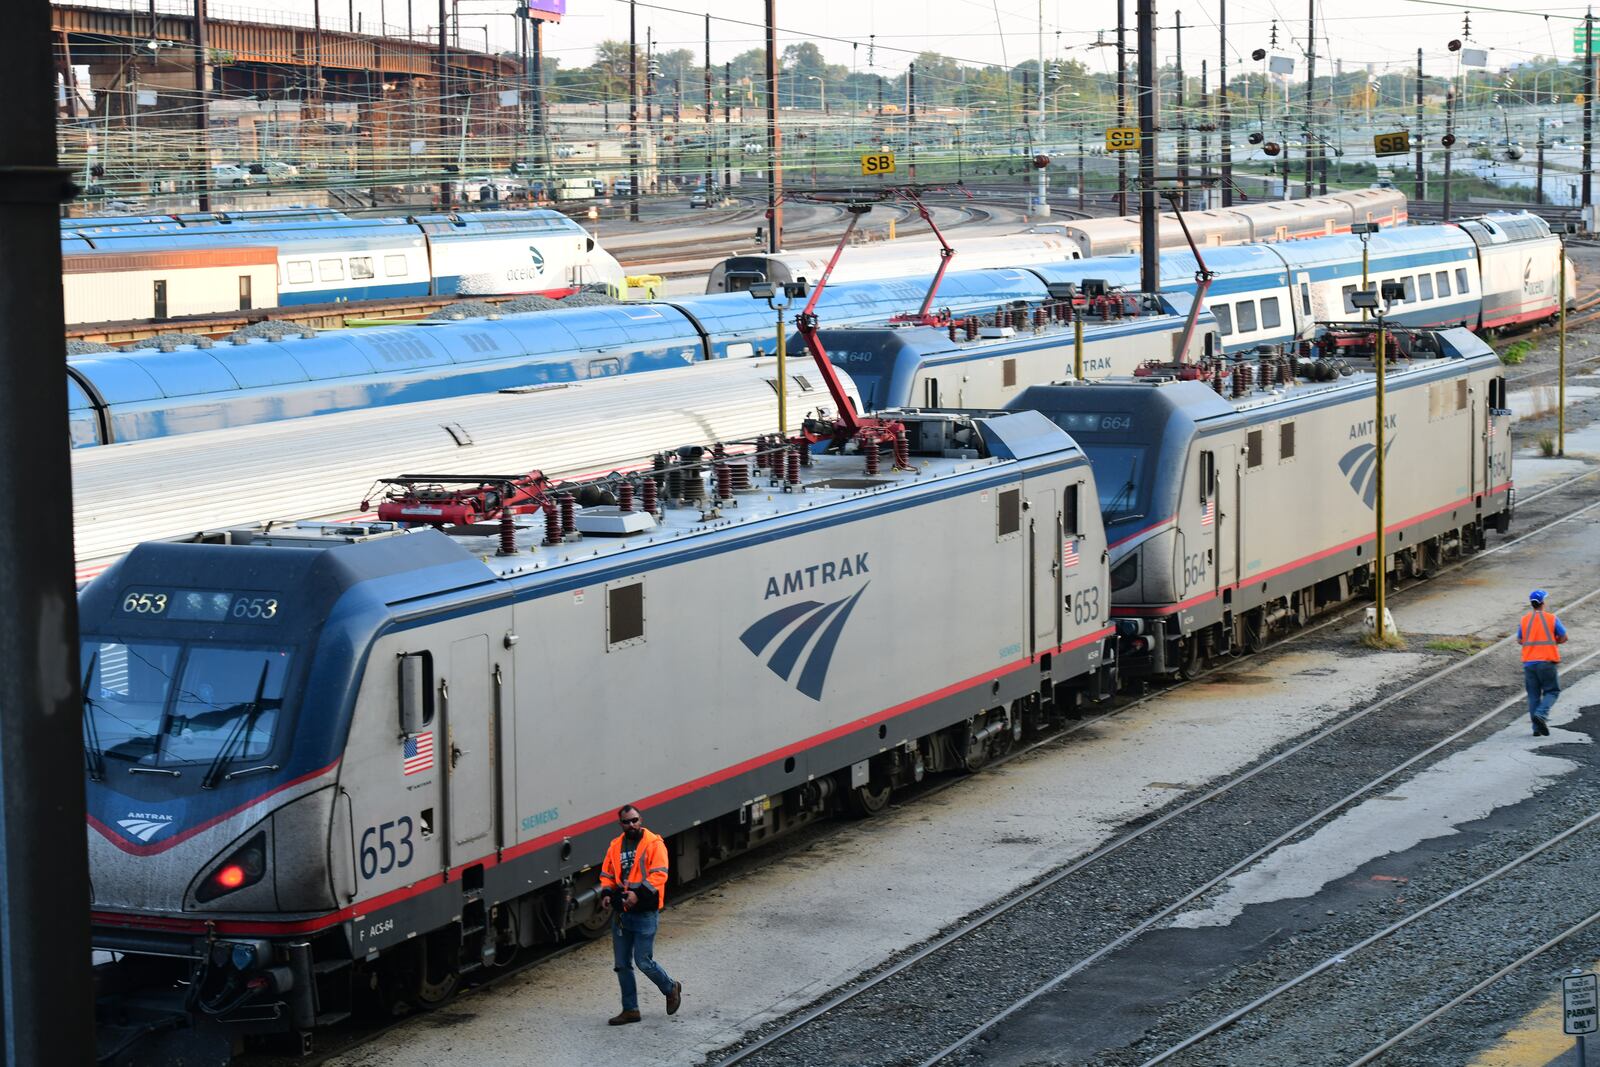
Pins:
x: 326, y: 761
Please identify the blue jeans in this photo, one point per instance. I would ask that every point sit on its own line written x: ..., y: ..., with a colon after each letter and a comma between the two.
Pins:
x: 1543, y: 681
x: 633, y: 938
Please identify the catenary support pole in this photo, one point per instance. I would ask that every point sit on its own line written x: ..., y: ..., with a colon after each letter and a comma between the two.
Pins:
x: 1179, y: 102
x: 1588, y: 112
x: 443, y: 93
x: 1420, y: 187
x: 727, y: 127
x: 1122, y: 104
x: 1311, y: 79
x: 1561, y: 351
x: 633, y: 112
x: 774, y: 137
x: 46, y: 1003
x: 1041, y: 175
x: 1149, y: 217
x: 1227, y: 110
x: 1450, y: 133
x: 202, y: 89
x: 710, y: 129
x: 1538, y: 167
x: 1379, y: 556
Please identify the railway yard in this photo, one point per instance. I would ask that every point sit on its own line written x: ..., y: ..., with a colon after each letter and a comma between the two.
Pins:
x: 929, y: 574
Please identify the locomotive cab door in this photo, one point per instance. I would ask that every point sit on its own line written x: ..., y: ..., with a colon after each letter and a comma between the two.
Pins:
x: 468, y: 756
x: 1044, y: 551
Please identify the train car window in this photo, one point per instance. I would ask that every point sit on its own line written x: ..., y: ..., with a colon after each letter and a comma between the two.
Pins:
x: 1461, y: 395
x: 1069, y: 510
x: 1252, y: 448
x: 361, y: 267
x: 1247, y: 316
x: 1008, y: 512
x: 1269, y: 312
x: 1497, y: 393
x: 1349, y: 299
x: 930, y: 389
x: 1008, y: 373
x: 331, y: 270
x: 416, y: 691
x: 1286, y: 441
x: 1409, y: 284
x: 299, y: 271
x: 1305, y: 298
x: 604, y: 368
x: 624, y: 613
x: 1424, y: 287
x: 1442, y: 280
x: 244, y: 292
x: 1208, y: 475
x: 1224, y: 317
x: 1461, y: 281
x: 395, y: 266
x: 160, y: 294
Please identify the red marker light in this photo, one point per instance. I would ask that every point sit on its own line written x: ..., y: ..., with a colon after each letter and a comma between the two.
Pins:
x: 231, y: 876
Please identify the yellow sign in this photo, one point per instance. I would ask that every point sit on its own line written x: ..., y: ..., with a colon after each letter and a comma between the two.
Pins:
x: 877, y: 163
x: 1122, y: 139
x: 1391, y: 144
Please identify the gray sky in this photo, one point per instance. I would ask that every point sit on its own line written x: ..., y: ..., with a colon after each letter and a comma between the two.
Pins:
x: 1385, y: 33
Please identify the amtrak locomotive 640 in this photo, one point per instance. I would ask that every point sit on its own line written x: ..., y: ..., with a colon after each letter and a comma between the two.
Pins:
x: 326, y: 761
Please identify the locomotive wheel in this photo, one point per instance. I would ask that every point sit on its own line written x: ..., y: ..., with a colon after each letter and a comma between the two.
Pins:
x: 596, y: 926
x: 433, y: 978
x: 868, y: 800
x: 974, y: 751
x: 1191, y: 659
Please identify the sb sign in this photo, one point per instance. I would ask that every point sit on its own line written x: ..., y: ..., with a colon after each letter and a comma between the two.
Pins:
x: 877, y: 163
x: 1122, y: 139
x: 1391, y: 144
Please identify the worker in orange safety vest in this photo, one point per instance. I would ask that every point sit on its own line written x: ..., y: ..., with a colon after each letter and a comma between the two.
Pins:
x: 1539, y: 633
x: 633, y: 887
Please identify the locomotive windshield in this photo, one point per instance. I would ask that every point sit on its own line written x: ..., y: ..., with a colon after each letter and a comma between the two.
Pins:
x: 165, y: 704
x: 1120, y: 476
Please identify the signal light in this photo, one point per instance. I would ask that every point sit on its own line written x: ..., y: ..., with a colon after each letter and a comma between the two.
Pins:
x: 1454, y: 46
x: 1272, y: 148
x: 1259, y: 54
x: 1448, y: 140
x: 1256, y: 138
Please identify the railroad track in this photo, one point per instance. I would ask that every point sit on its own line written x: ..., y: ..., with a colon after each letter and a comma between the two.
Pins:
x: 780, y: 1045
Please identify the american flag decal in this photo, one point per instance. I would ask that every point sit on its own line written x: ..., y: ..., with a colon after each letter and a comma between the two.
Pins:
x: 1069, y: 553
x: 1209, y: 515
x: 418, y: 753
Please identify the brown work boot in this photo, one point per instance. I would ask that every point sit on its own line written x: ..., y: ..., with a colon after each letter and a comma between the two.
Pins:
x: 624, y: 1017
x: 674, y: 998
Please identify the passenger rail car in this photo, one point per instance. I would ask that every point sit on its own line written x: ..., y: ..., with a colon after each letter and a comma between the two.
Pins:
x: 378, y: 759
x: 321, y: 468
x: 1058, y: 242
x: 141, y: 394
x: 1233, y: 513
x: 325, y: 257
x: 119, y: 286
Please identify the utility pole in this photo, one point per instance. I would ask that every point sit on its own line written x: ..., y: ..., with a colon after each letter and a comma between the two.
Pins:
x: 1041, y: 175
x: 1183, y: 120
x: 727, y: 127
x: 47, y: 1012
x: 1227, y: 112
x: 774, y: 137
x: 1538, y: 181
x: 1311, y: 78
x: 202, y: 88
x: 1205, y: 140
x: 444, y: 94
x: 1588, y: 112
x: 1421, y: 185
x: 633, y: 112
x: 1149, y: 219
x: 710, y: 129
x: 1122, y: 104
x: 911, y: 116
x: 541, y: 129
x: 1450, y: 136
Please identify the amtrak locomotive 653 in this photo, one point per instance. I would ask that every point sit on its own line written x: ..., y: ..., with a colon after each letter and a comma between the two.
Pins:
x: 326, y: 761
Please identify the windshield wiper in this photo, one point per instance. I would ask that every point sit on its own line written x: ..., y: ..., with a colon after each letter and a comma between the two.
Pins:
x: 241, y: 730
x: 93, y: 750
x: 1127, y: 489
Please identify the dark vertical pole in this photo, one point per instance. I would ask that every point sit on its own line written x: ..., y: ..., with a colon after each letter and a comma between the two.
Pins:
x: 1538, y: 181
x: 444, y: 95
x: 911, y: 116
x: 1122, y: 104
x: 541, y: 131
x: 1311, y: 78
x: 727, y: 126
x: 1227, y: 109
x: 45, y: 995
x: 1205, y: 139
x: 1183, y: 119
x: 411, y: 28
x: 1450, y: 132
x: 710, y: 155
x: 202, y: 88
x: 1149, y: 218
x: 1082, y: 192
x: 774, y: 137
x: 633, y: 112
x: 316, y: 55
x: 1588, y: 110
x: 1421, y: 185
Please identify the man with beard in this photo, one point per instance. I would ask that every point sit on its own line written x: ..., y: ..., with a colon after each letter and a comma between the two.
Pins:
x: 633, y: 883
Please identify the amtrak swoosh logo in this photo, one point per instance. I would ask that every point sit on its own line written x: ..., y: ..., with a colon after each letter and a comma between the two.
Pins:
x: 801, y: 623
x: 538, y: 258
x: 143, y: 829
x: 1361, y: 471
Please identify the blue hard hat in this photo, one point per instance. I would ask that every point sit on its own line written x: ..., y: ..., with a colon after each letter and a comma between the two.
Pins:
x: 1537, y: 596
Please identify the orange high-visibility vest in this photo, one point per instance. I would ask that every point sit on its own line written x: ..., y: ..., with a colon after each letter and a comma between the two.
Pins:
x: 1539, y: 647
x: 649, y: 865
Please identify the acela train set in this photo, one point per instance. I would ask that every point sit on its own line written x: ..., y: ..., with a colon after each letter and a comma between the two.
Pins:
x: 329, y: 763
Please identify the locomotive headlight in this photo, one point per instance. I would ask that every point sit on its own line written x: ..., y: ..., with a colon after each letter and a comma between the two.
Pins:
x: 243, y: 868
